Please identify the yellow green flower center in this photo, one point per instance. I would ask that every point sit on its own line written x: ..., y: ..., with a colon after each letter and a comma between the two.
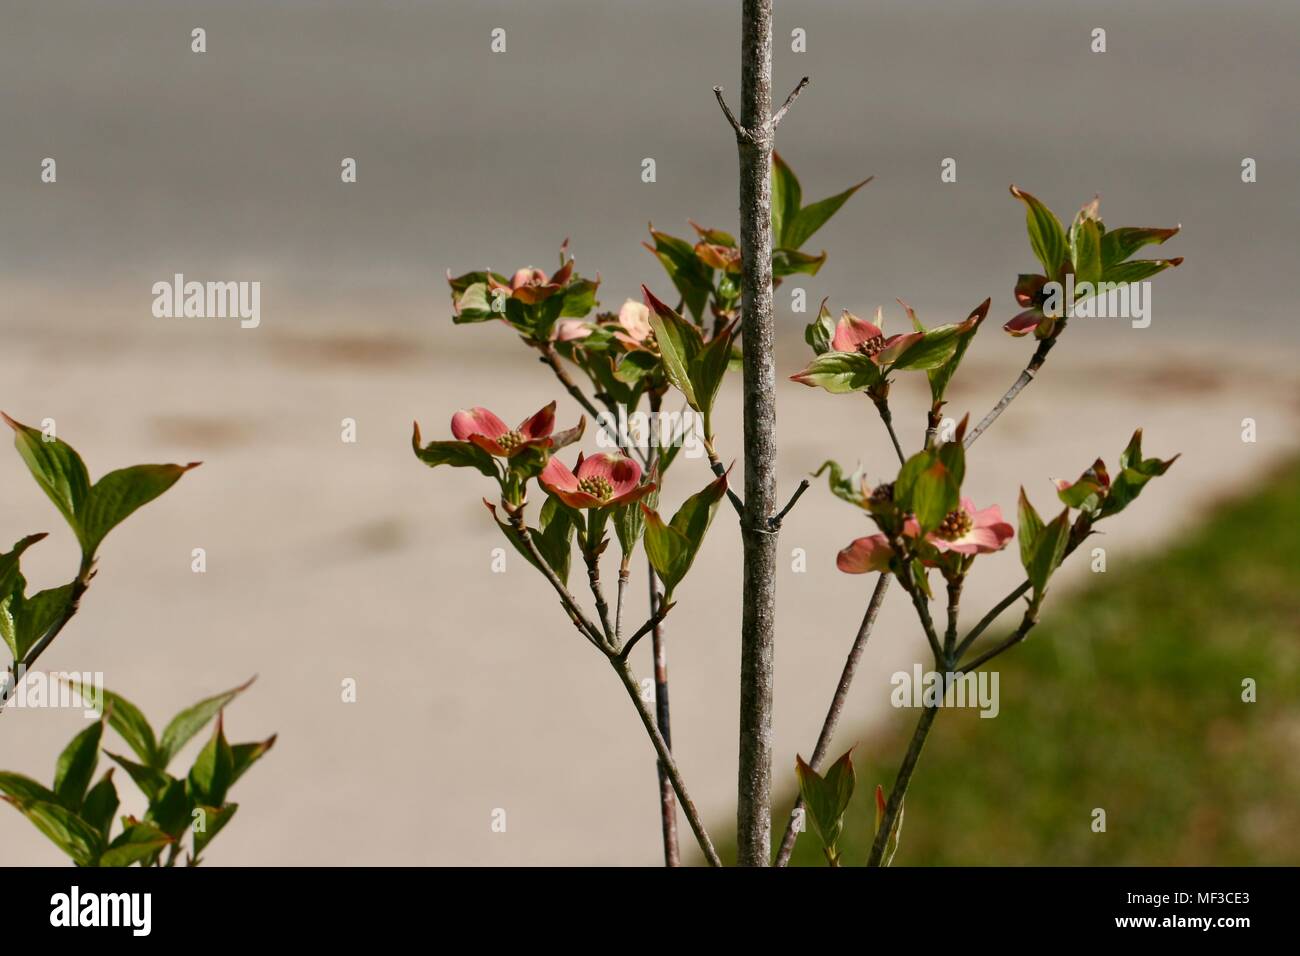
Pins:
x: 955, y: 524
x: 510, y: 441
x: 597, y: 486
x: 872, y: 346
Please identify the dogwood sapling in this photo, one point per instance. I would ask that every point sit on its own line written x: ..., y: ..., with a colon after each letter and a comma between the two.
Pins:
x: 649, y: 351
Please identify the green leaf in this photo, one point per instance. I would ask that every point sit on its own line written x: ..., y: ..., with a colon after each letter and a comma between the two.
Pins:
x: 679, y: 345
x: 848, y: 487
x: 1089, y: 491
x: 841, y: 372
x: 245, y: 755
x: 827, y: 797
x: 473, y: 305
x: 788, y: 262
x: 935, y: 347
x: 707, y: 371
x: 119, y: 493
x: 24, y: 621
x: 71, y: 834
x: 672, y: 547
x: 213, y: 769
x: 170, y: 812
x: 1031, y: 529
x: 629, y: 525
x: 22, y: 789
x: 214, y: 821
x: 812, y: 217
x: 191, y: 720
x: 927, y: 488
x: 787, y: 197
x: 1120, y: 244
x: 1135, y: 472
x: 1135, y: 270
x: 1085, y: 245
x: 578, y: 299
x: 820, y: 331
x: 76, y: 766
x: 941, y: 375
x: 1046, y: 236
x: 101, y: 803
x: 11, y: 578
x: 151, y: 781
x: 458, y: 454
x: 554, y: 542
x: 1049, y: 549
x: 57, y: 468
x: 691, y: 277
x: 138, y: 842
x: 125, y: 718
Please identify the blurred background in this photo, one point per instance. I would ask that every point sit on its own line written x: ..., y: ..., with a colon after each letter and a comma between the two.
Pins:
x: 330, y: 560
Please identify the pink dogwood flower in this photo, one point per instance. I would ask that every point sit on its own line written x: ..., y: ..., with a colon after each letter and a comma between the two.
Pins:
x: 487, y: 431
x: 636, y: 332
x: 853, y: 334
x: 601, y: 481
x: 531, y: 286
x: 967, y: 531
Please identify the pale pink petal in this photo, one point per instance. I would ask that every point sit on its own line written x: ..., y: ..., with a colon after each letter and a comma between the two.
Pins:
x: 864, y: 555
x: 540, y: 425
x: 556, y: 477
x: 621, y: 472
x: 477, y: 421
x: 851, y: 331
x: 570, y: 330
x: 635, y: 318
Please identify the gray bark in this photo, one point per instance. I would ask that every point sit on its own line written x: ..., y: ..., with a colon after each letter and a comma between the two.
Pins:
x: 754, y: 790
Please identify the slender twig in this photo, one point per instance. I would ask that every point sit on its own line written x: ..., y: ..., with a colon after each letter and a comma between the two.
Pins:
x: 666, y: 760
x: 618, y: 606
x: 918, y: 599
x: 837, y: 706
x: 989, y: 618
x: 592, y: 556
x: 954, y: 606
x: 659, y: 652
x: 551, y: 359
x: 1078, y: 533
x: 1026, y: 625
x: 715, y: 463
x: 583, y: 623
x: 886, y: 416
x: 742, y: 134
x: 775, y: 521
x: 661, y: 612
x: 1027, y: 376
x: 899, y: 790
x: 789, y: 101
x: 18, y: 669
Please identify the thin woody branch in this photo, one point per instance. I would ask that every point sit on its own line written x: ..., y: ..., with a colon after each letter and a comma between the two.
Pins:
x: 837, y: 706
x: 583, y: 623
x: 1026, y: 625
x: 654, y: 621
x: 789, y: 101
x: 742, y: 134
x: 1027, y: 376
x: 12, y: 677
x: 667, y: 762
x: 774, y: 522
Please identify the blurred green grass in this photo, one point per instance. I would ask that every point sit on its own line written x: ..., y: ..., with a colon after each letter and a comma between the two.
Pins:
x: 1126, y: 697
